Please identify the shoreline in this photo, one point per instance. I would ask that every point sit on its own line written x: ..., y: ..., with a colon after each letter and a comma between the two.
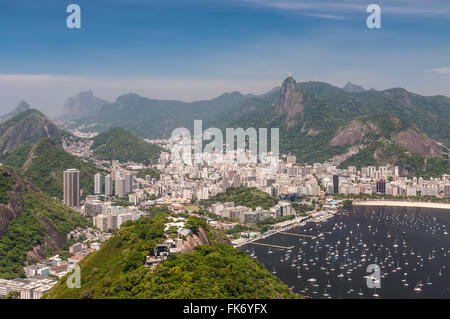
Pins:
x: 402, y: 204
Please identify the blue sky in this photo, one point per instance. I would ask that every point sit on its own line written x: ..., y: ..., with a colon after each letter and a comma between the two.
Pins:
x: 196, y: 49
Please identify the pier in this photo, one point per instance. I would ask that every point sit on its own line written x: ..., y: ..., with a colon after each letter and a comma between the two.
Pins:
x: 273, y: 246
x: 299, y: 235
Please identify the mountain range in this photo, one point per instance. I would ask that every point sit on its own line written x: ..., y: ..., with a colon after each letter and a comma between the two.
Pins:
x: 317, y: 121
x: 83, y: 104
x: 31, y: 143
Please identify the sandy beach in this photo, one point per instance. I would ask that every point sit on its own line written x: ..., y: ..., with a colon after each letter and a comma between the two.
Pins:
x: 402, y: 204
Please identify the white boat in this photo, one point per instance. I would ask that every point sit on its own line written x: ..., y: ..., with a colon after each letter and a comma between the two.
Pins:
x: 418, y: 285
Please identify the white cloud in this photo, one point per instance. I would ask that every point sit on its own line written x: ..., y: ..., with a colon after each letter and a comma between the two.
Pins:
x: 443, y: 70
x: 329, y: 8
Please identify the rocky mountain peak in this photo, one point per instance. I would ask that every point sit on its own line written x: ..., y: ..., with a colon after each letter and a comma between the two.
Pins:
x: 84, y: 103
x: 352, y: 88
x: 290, y: 100
x: 21, y: 107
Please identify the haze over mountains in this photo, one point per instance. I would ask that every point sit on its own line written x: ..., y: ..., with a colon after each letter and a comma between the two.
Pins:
x: 83, y: 104
x: 21, y: 107
x: 317, y: 121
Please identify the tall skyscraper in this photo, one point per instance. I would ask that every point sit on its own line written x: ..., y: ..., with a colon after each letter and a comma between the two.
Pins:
x: 336, y: 184
x: 72, y: 187
x: 108, y: 185
x: 381, y: 186
x: 120, y: 187
x: 128, y: 183
x: 98, y: 181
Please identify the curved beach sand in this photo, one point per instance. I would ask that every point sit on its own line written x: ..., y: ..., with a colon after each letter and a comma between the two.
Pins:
x: 402, y: 204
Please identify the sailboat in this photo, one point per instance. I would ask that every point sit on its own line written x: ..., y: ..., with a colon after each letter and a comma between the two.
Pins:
x: 428, y: 283
x: 417, y: 287
x: 375, y: 293
x: 274, y: 271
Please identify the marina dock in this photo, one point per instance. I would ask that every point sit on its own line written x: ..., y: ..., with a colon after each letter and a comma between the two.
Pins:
x: 299, y: 235
x: 270, y: 245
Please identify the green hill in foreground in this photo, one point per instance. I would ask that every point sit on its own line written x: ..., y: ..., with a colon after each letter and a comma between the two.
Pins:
x: 217, y: 271
x: 119, y: 144
x: 32, y: 224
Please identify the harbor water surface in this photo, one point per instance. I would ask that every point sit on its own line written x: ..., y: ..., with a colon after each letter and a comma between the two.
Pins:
x: 329, y: 259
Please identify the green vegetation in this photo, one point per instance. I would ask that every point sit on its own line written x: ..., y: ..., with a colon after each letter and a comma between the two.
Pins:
x: 63, y: 218
x: 152, y: 172
x: 119, y: 144
x: 30, y: 229
x: 410, y: 163
x: 122, y: 202
x: 192, y: 208
x: 194, y: 223
x: 13, y: 295
x: 325, y: 109
x: 347, y: 202
x: 107, y: 273
x: 265, y: 225
x: 47, y: 165
x: 244, y: 196
x: 219, y: 271
x: 150, y: 118
x: 27, y: 128
x: 23, y: 234
x: 5, y: 185
x: 302, y: 209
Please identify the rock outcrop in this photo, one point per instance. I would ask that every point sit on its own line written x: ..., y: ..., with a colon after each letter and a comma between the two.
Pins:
x: 53, y: 239
x: 83, y: 104
x: 14, y: 207
x: 414, y: 141
x: 353, y: 88
x: 350, y: 134
x: 289, y: 101
x: 201, y: 237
